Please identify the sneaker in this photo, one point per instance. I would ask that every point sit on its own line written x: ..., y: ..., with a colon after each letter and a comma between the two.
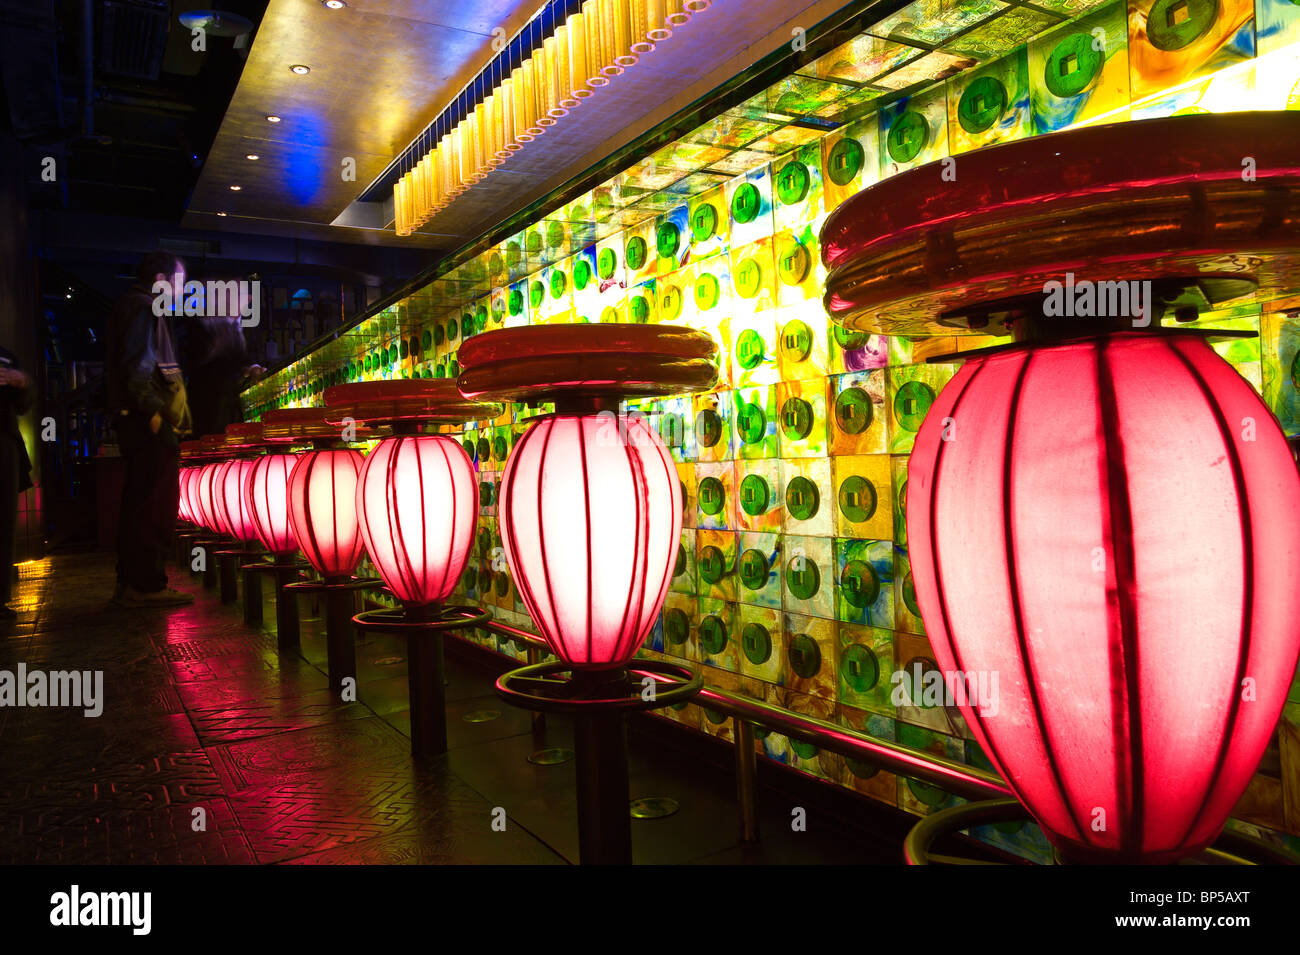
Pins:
x: 167, y: 597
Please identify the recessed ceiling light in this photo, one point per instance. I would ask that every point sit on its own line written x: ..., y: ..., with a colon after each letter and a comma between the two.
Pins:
x: 253, y: 156
x: 273, y: 119
x: 300, y: 69
x: 334, y: 4
x: 235, y: 188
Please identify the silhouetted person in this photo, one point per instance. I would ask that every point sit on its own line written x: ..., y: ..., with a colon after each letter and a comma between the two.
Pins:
x: 15, y: 467
x: 147, y: 403
x: 217, y: 367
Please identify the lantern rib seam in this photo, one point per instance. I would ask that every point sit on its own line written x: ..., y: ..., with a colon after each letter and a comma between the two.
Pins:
x: 935, y: 559
x: 1120, y: 510
x: 281, y: 539
x: 391, y: 451
x: 541, y: 538
x: 451, y: 537
x: 640, y: 521
x: 266, y: 499
x: 287, y: 469
x: 1031, y: 686
x: 586, y: 506
x: 406, y: 553
x: 1248, y: 583
x: 260, y: 495
x: 384, y: 454
x: 334, y: 511
x: 288, y: 526
x: 312, y: 549
x: 505, y: 512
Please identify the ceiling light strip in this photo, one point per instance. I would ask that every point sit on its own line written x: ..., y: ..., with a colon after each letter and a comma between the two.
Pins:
x: 567, y: 62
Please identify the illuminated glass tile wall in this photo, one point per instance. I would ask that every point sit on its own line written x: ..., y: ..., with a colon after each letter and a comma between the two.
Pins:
x: 792, y: 582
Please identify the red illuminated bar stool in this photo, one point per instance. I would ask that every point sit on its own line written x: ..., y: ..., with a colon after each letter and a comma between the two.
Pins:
x: 323, y: 516
x: 267, y: 489
x: 208, y: 489
x: 200, y: 497
x: 590, y: 515
x: 193, y: 458
x: 1074, y: 497
x: 235, y: 504
x: 325, y: 533
x: 417, y: 506
x: 242, y: 441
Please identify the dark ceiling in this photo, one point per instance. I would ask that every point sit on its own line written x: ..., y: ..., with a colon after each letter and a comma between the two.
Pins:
x: 114, y: 93
x: 114, y: 113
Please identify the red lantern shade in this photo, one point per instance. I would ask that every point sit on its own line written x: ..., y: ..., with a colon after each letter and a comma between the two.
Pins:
x: 323, y: 510
x: 417, y: 504
x: 1111, y: 526
x: 183, y: 497
x: 204, y: 496
x: 593, y: 555
x: 267, y: 491
x: 590, y: 502
x: 192, y: 486
x: 217, y: 499
x: 231, y: 501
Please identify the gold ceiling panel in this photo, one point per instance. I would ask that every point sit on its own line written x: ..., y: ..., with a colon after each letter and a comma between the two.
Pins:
x: 380, y: 72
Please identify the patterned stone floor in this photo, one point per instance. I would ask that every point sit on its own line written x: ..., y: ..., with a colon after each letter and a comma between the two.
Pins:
x: 215, y: 748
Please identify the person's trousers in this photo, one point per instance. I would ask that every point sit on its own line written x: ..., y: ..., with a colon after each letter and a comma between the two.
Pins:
x: 150, y: 496
x: 8, y: 514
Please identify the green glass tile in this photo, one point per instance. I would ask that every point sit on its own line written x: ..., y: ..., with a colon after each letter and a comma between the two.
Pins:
x: 933, y: 21
x: 1001, y: 34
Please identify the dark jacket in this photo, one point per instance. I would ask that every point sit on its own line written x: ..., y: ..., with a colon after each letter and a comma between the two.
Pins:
x: 15, y: 402
x: 141, y: 372
x: 214, y: 357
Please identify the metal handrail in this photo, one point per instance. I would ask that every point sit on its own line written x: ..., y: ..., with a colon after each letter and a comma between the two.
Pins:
x: 954, y: 777
x: 950, y: 775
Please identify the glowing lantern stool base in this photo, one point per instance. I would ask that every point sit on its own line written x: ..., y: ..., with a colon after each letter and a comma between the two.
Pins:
x: 287, y: 572
x: 224, y: 507
x: 417, y: 508
x: 194, y: 455
x: 208, y: 491
x: 1231, y: 848
x: 340, y: 605
x: 289, y: 427
x: 423, y: 628
x: 1103, y: 471
x: 589, y: 476
x: 208, y: 545
x: 244, y: 440
x: 598, y: 700
x: 185, y: 543
x: 228, y: 562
